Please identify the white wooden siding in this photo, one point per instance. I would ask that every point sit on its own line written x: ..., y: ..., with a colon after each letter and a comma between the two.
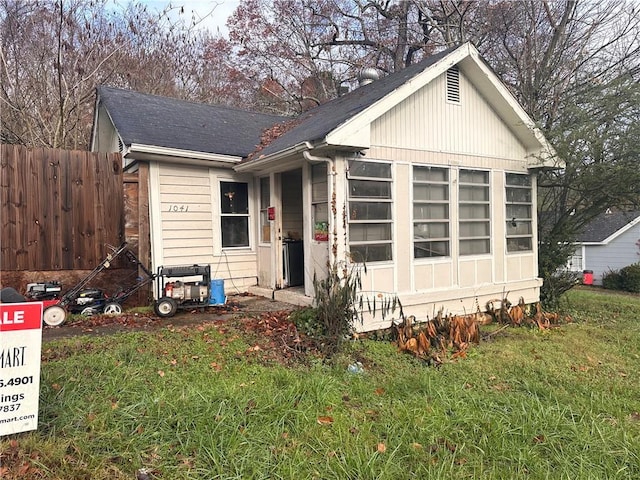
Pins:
x: 426, y: 130
x: 185, y: 210
x: 425, y: 121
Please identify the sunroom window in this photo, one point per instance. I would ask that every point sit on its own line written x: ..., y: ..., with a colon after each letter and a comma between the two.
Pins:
x: 369, y: 213
x: 474, y: 212
x: 519, y: 208
x: 265, y: 199
x: 234, y: 211
x: 431, y: 236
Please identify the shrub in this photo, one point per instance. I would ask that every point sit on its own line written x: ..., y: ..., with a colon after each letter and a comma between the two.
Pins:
x: 335, y: 300
x: 555, y: 285
x: 612, y: 280
x: 630, y: 278
x: 306, y: 320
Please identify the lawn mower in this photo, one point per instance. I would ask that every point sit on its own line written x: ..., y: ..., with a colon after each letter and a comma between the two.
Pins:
x: 198, y: 292
x: 82, y: 299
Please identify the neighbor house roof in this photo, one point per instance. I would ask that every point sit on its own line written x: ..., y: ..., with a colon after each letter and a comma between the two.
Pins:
x: 144, y: 119
x: 608, y: 225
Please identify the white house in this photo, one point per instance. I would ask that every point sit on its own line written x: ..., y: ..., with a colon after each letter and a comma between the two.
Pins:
x: 426, y: 175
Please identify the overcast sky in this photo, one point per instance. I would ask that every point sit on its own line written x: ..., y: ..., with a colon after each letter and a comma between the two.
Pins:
x: 213, y: 12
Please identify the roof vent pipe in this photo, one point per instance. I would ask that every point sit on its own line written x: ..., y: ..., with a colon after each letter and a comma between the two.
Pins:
x: 368, y: 75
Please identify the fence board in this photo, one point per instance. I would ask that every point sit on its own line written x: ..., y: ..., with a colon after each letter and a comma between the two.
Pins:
x: 59, y: 209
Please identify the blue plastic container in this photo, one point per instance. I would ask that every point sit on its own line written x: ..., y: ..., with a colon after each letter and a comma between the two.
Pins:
x: 216, y: 293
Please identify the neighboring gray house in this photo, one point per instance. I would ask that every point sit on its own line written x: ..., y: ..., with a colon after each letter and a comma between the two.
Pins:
x: 427, y: 175
x: 609, y: 242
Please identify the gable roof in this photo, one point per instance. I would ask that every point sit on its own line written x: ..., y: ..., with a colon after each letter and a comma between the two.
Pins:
x: 151, y: 120
x: 607, y: 226
x: 317, y: 123
x: 344, y: 122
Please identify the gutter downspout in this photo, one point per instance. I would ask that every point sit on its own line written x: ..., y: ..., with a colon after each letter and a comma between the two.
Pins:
x: 331, y: 182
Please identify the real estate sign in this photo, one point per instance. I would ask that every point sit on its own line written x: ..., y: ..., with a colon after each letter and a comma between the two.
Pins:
x: 20, y: 351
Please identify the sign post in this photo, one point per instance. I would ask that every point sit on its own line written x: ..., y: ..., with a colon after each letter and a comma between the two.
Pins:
x: 20, y: 354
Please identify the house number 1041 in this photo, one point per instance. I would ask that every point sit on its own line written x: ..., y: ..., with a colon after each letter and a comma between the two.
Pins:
x: 178, y: 208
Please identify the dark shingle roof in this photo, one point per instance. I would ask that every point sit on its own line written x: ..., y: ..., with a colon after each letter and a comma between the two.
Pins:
x: 315, y: 124
x: 605, y: 225
x: 169, y: 122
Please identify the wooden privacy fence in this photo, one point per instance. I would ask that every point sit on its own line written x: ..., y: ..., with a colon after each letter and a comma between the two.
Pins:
x: 59, y: 209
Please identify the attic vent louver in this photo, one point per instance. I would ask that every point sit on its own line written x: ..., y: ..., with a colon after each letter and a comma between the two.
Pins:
x: 120, y: 145
x: 453, y: 85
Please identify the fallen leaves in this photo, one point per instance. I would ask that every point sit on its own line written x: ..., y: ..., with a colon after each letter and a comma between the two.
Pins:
x: 325, y: 420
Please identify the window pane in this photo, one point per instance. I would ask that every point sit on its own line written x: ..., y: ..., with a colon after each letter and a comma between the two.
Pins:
x: 474, y: 229
x: 517, y: 179
x: 369, y: 211
x: 474, y: 176
x: 430, y: 192
x: 518, y: 195
x: 430, y: 174
x: 471, y: 211
x: 264, y: 192
x: 369, y: 189
x: 235, y: 231
x: 518, y: 211
x: 321, y: 212
x: 518, y: 244
x: 371, y: 253
x: 430, y: 249
x: 369, y: 169
x: 474, y: 247
x: 519, y: 227
x: 470, y: 193
x: 234, y: 197
x: 367, y: 232
x: 431, y: 211
x: 319, y: 192
x: 430, y: 230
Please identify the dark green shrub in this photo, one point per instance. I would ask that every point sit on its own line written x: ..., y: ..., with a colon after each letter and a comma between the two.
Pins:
x: 555, y: 285
x: 612, y: 280
x: 630, y: 277
x: 306, y: 321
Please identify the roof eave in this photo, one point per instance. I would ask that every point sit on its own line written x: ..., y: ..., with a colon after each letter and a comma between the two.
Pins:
x: 278, y: 161
x: 137, y: 151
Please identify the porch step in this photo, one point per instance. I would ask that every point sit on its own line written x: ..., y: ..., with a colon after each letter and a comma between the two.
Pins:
x: 293, y: 296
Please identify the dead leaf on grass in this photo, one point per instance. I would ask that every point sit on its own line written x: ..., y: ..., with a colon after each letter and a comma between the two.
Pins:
x: 325, y: 420
x: 379, y: 391
x: 381, y: 448
x: 161, y: 373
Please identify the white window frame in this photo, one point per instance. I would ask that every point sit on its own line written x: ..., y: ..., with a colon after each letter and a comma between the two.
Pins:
x: 224, y: 215
x: 352, y: 219
x: 471, y: 221
x: 513, y: 210
x: 425, y: 222
x: 265, y: 223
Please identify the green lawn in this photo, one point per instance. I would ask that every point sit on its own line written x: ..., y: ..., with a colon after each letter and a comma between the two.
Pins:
x: 199, y: 403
